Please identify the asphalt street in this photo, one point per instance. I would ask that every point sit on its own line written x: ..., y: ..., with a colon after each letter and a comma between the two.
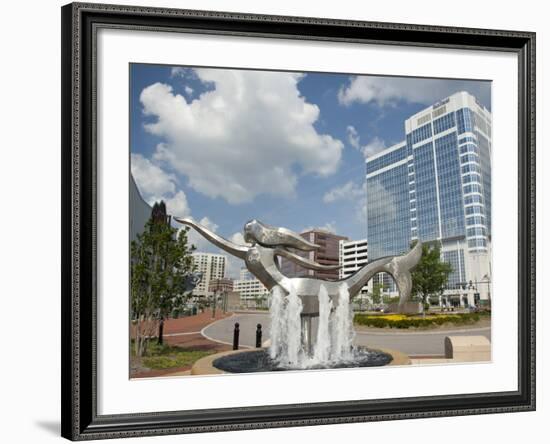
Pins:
x: 413, y: 343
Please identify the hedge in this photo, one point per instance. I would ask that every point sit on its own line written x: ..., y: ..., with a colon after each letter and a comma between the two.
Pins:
x: 416, y: 322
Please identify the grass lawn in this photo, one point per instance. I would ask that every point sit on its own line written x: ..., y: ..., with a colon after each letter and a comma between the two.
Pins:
x: 160, y: 357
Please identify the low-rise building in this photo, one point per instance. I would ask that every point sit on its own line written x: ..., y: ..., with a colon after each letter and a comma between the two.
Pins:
x: 250, y: 289
x: 353, y: 255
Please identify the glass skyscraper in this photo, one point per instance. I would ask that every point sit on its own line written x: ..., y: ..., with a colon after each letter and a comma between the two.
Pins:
x: 436, y: 186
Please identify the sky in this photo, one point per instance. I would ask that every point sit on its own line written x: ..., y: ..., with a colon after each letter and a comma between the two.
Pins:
x: 224, y: 146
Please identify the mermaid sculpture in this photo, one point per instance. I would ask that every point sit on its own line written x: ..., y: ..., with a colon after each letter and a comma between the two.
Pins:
x: 267, y: 243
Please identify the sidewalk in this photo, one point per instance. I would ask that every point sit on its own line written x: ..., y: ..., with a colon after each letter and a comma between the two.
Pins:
x: 188, y: 324
x: 193, y: 323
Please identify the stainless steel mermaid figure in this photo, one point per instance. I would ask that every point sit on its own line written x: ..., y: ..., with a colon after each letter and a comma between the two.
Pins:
x: 267, y: 243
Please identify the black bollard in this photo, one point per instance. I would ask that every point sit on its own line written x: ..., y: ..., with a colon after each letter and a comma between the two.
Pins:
x: 236, y: 337
x: 258, y: 335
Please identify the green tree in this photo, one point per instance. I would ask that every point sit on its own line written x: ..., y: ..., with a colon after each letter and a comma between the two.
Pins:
x: 260, y: 300
x: 377, y: 290
x: 161, y: 260
x: 430, y: 276
x: 358, y: 299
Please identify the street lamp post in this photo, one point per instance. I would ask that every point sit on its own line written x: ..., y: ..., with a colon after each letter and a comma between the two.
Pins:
x: 220, y: 288
x: 214, y: 301
x: 487, y: 280
x: 472, y: 285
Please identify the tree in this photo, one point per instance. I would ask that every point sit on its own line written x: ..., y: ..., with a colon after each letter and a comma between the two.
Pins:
x: 430, y: 275
x: 377, y: 290
x: 259, y: 300
x: 358, y: 299
x: 161, y: 260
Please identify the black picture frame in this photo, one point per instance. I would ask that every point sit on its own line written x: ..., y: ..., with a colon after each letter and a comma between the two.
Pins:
x: 79, y: 390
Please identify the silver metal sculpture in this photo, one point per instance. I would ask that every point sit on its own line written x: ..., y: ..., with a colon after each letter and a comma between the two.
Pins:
x: 267, y: 243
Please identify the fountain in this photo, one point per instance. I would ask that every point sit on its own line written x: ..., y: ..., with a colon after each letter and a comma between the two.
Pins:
x: 311, y: 319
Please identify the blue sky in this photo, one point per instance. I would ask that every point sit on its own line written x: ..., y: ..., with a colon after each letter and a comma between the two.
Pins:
x: 224, y: 146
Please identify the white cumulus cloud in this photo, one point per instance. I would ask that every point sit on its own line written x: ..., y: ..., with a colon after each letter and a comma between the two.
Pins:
x: 238, y: 238
x: 374, y: 146
x: 385, y: 91
x: 155, y: 185
x: 178, y: 71
x: 348, y: 191
x: 200, y: 242
x: 329, y: 226
x: 251, y: 134
x: 176, y: 204
x: 352, y: 192
x: 353, y: 137
x: 234, y: 265
x: 151, y: 179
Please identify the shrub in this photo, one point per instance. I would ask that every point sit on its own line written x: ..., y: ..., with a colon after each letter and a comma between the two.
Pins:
x: 403, y: 321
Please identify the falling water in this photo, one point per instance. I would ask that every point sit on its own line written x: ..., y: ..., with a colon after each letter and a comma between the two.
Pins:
x: 276, y: 312
x: 334, y: 334
x: 286, y: 340
x: 343, y: 334
x: 293, y: 329
x: 322, y: 346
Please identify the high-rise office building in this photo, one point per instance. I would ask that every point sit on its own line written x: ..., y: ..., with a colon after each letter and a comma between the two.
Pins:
x: 327, y: 254
x: 436, y: 186
x: 212, y: 266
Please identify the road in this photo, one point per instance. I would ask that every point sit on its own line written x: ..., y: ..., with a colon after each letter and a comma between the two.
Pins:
x: 424, y: 343
x: 222, y: 331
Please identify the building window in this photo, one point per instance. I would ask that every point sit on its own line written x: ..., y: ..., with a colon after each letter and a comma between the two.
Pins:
x: 472, y: 188
x: 466, y: 139
x: 475, y: 209
x: 439, y: 111
x: 422, y: 120
x: 444, y: 123
x: 477, y: 231
x: 476, y: 198
x: 470, y: 168
x: 421, y: 133
x: 386, y: 160
x: 477, y: 243
x: 455, y: 259
x: 464, y: 121
x: 475, y: 220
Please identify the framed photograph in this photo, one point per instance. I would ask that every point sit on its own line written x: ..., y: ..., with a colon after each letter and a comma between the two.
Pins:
x: 279, y: 221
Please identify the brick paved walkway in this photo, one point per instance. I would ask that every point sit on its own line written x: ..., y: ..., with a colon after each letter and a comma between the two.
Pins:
x: 185, y: 333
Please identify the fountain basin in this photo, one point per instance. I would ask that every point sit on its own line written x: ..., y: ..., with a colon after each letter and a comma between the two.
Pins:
x: 258, y: 360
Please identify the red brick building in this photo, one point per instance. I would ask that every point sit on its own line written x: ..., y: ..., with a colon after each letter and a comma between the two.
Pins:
x: 328, y: 254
